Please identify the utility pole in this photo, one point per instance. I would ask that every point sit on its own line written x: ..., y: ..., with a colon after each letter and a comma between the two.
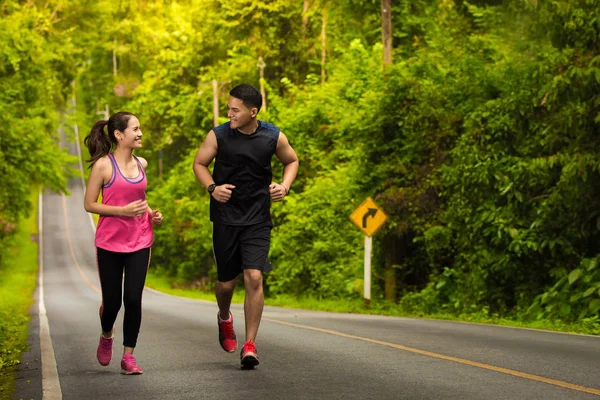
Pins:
x: 261, y: 64
x: 215, y: 86
x: 114, y: 58
x: 215, y: 90
x: 103, y: 112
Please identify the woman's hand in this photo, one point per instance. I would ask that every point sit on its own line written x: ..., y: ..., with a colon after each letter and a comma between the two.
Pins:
x: 135, y: 208
x: 156, y: 217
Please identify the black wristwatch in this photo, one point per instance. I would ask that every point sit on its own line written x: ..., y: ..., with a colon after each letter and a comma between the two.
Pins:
x: 211, y: 188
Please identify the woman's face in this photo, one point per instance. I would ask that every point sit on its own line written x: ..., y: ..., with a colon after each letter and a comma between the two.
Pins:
x: 132, y: 136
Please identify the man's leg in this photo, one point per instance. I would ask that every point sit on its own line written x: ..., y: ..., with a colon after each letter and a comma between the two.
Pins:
x: 255, y: 242
x: 228, y: 261
x: 224, y: 293
x: 226, y: 250
x: 227, y: 336
x: 254, y: 302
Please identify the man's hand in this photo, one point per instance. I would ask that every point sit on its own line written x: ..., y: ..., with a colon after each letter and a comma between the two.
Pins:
x: 222, y: 193
x: 278, y: 191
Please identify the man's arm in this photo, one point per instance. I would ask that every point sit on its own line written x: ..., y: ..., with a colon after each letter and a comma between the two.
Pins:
x: 205, y: 155
x: 286, y: 154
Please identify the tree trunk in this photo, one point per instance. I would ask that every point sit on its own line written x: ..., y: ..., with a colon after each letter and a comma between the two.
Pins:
x: 390, y: 283
x: 160, y: 164
x: 386, y: 30
x: 323, y: 44
x: 305, y: 18
x: 390, y: 261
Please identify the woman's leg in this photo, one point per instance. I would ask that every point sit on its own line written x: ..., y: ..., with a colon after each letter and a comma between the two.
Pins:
x: 110, y: 270
x: 136, y: 268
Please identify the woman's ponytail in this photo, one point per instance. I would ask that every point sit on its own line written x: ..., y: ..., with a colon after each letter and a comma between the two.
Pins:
x: 97, y: 141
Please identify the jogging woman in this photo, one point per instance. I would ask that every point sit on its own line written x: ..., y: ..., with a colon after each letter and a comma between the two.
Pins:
x: 124, y: 233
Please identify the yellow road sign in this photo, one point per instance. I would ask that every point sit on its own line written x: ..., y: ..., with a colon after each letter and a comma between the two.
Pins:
x: 368, y: 217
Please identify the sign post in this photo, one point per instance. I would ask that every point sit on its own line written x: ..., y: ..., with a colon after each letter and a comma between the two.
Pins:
x: 367, y: 274
x: 368, y: 217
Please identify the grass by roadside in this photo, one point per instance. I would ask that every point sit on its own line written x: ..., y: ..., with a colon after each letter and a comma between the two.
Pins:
x: 17, y: 285
x: 376, y: 308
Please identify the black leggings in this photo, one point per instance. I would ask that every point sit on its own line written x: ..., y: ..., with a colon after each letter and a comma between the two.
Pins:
x: 110, y: 269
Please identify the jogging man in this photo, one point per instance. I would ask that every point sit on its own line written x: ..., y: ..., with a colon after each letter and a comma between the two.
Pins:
x: 241, y: 189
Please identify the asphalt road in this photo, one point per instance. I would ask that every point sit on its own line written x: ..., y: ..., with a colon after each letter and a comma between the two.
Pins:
x: 304, y: 355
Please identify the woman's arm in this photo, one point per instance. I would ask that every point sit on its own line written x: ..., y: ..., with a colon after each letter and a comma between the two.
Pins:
x: 101, y: 173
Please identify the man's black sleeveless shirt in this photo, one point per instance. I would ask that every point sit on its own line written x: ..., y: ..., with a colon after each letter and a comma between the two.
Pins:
x: 244, y: 161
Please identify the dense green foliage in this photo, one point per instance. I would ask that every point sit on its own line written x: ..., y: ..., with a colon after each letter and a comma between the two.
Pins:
x: 34, y: 77
x: 17, y: 285
x: 480, y: 141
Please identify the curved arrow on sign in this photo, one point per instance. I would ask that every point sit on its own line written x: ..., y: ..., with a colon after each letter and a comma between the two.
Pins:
x: 370, y: 213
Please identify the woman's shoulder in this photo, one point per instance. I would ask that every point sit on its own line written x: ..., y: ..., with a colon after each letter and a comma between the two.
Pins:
x: 102, y: 163
x: 142, y: 161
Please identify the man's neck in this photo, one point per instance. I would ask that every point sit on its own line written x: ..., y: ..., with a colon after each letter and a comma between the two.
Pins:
x: 250, y: 128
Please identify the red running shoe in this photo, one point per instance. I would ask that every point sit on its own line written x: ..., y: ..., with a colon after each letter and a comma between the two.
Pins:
x: 129, y: 365
x: 104, y: 352
x: 249, y: 357
x: 227, y: 337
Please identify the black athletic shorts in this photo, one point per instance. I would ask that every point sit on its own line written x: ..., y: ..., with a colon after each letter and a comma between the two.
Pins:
x: 241, y: 247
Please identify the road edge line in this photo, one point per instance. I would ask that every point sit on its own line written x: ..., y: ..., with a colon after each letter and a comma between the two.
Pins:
x: 50, y: 380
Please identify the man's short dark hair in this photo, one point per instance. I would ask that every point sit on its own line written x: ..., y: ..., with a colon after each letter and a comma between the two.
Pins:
x: 248, y: 94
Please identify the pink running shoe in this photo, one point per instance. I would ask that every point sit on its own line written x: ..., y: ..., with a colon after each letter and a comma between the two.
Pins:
x: 227, y: 336
x: 129, y: 366
x: 249, y: 357
x: 104, y: 352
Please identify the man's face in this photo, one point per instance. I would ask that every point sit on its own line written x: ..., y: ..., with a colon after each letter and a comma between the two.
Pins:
x: 239, y: 115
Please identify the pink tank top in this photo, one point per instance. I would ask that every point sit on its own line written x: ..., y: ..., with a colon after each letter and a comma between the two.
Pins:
x: 124, y: 234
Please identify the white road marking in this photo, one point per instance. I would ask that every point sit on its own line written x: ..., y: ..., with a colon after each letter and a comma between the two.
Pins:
x: 50, y: 381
